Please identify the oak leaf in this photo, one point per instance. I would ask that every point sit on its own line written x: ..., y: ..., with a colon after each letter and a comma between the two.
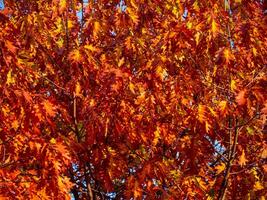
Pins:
x: 49, y: 108
x: 242, y: 159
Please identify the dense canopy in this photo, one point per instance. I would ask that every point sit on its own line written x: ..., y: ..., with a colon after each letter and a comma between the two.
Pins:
x: 133, y: 99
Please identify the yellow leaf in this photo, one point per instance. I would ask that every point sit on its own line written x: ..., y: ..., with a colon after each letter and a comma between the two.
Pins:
x: 228, y: 55
x: 226, y: 5
x: 60, y: 42
x: 5, y: 110
x: 189, y: 25
x: 133, y: 15
x: 75, y: 56
x: 156, y: 136
x: 62, y: 5
x: 195, y: 6
x: 121, y: 62
x: 214, y: 28
x: 213, y: 112
x: 78, y: 89
x: 220, y: 168
x: 70, y: 24
x: 210, y: 198
x: 238, y: 1
x: 53, y: 141
x: 197, y: 36
x: 162, y: 73
x: 233, y: 84
x: 242, y: 160
x: 64, y: 183
x: 258, y: 186
x: 41, y: 194
x: 59, y: 26
x: 131, y: 87
x: 90, y: 47
x: 222, y: 106
x: 92, y: 102
x: 254, y: 51
x: 10, y: 79
x: 200, y: 183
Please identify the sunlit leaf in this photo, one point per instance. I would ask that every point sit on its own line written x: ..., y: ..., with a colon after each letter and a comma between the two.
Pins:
x: 233, y: 85
x: 242, y: 159
x: 220, y: 168
x: 10, y: 78
x: 49, y: 108
x: 133, y: 15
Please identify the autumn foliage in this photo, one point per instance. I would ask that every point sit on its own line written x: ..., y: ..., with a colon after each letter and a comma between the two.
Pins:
x: 133, y: 99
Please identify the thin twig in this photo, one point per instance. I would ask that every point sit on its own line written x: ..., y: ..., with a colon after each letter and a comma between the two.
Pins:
x: 232, y: 153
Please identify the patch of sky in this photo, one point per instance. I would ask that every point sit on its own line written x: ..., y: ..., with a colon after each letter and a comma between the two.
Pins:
x: 122, y: 6
x: 219, y: 148
x: 2, y: 5
x: 185, y: 14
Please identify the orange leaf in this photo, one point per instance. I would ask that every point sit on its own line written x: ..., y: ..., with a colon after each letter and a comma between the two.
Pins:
x: 96, y: 29
x: 62, y: 5
x: 78, y: 89
x: 228, y: 55
x: 75, y: 56
x: 240, y: 98
x: 242, y: 160
x: 11, y: 46
x: 49, y: 108
x: 201, y: 113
